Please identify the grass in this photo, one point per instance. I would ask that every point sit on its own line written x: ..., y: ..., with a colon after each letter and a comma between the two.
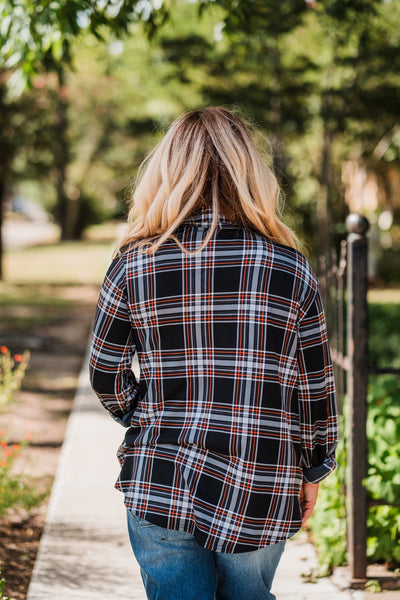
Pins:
x: 67, y: 263
x: 384, y: 296
x: 39, y: 282
x: 32, y: 310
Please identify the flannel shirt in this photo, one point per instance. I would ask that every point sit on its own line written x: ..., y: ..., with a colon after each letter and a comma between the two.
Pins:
x: 235, y: 405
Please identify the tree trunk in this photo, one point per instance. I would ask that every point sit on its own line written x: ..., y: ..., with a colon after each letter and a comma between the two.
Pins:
x: 62, y: 206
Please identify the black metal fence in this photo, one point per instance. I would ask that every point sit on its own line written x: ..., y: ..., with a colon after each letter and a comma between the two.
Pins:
x: 344, y: 283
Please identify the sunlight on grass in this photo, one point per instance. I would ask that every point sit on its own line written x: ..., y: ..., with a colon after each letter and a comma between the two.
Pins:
x: 27, y: 305
x: 67, y: 263
x: 384, y: 296
x: 106, y: 232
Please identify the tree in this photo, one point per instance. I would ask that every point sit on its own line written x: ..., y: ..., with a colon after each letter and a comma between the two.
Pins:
x: 316, y: 75
x: 36, y: 38
x: 313, y: 75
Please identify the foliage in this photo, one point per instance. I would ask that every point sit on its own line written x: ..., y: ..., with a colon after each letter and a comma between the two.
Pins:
x: 383, y: 480
x: 28, y: 124
x: 84, y: 131
x: 37, y: 36
x: 382, y: 483
x: 389, y: 265
x: 328, y: 522
x: 384, y: 339
x: 12, y: 371
x: 14, y: 491
x: 314, y: 76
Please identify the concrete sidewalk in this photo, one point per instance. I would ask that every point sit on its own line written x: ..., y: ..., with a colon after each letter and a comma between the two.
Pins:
x: 84, y: 551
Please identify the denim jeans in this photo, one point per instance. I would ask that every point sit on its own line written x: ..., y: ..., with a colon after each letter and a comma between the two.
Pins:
x: 175, y: 567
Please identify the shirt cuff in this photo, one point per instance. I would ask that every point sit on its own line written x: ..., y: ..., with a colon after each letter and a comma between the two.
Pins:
x: 125, y: 420
x: 318, y: 473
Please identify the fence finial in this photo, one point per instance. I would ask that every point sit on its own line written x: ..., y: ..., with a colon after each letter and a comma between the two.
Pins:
x: 356, y: 223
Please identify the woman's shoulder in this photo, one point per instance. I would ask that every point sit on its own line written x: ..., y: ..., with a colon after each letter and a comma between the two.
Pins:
x: 296, y: 263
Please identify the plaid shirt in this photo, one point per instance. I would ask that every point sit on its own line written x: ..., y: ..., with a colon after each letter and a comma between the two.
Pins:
x: 236, y: 403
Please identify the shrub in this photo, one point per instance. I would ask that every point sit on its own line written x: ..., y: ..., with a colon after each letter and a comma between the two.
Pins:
x: 12, y: 371
x: 14, y: 490
x: 328, y: 524
x: 384, y: 339
x: 383, y: 481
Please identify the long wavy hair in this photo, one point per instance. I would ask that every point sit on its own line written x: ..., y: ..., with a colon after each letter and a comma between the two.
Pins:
x: 207, y: 159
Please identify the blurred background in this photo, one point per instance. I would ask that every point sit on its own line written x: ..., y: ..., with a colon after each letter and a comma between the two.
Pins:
x: 86, y: 90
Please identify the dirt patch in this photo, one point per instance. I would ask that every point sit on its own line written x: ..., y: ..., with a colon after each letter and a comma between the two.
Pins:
x: 19, y: 542
x: 57, y: 347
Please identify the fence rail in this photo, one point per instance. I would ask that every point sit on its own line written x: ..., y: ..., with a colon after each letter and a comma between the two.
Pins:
x: 344, y: 285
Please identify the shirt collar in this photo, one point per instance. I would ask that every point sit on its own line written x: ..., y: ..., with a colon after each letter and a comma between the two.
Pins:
x: 205, y: 217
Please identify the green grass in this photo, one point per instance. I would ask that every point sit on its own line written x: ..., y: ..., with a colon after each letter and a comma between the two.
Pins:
x: 39, y: 283
x: 66, y: 263
x: 31, y: 295
x: 24, y: 306
x: 31, y: 305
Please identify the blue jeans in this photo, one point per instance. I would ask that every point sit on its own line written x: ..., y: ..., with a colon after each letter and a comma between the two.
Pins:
x: 175, y: 567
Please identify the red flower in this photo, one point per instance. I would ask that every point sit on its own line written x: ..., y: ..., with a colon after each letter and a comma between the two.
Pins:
x: 3, y: 349
x: 17, y: 357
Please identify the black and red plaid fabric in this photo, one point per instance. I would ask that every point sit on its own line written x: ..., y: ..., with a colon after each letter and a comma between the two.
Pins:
x: 235, y: 406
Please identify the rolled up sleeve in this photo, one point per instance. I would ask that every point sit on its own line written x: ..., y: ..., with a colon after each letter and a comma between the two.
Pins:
x: 316, y: 393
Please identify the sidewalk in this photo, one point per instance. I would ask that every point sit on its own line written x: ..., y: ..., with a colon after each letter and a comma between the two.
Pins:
x: 85, y: 553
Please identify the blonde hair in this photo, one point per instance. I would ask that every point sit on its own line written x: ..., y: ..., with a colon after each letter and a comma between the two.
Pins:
x: 207, y: 159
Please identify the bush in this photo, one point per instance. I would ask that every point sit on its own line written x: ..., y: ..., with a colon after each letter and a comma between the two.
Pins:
x: 384, y: 338
x: 383, y: 481
x: 328, y: 524
x: 14, y: 491
x: 12, y: 371
x: 388, y: 267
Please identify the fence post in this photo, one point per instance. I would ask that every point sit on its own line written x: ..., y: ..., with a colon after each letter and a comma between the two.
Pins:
x: 357, y: 352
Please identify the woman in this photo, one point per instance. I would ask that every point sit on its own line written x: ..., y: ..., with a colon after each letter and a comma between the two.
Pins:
x: 233, y: 422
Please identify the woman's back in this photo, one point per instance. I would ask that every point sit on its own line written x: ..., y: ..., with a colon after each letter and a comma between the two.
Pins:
x: 219, y: 412
x: 233, y: 422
